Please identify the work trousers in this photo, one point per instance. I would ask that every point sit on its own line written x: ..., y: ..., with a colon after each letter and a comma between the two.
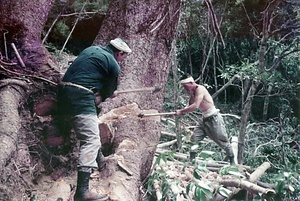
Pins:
x: 87, y: 131
x: 213, y: 126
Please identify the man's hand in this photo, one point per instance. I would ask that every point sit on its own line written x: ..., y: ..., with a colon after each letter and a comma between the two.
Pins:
x: 115, y: 94
x: 98, y: 99
x: 179, y: 112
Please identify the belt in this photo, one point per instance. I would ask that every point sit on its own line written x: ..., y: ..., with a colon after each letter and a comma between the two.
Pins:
x: 209, y: 117
x: 76, y: 85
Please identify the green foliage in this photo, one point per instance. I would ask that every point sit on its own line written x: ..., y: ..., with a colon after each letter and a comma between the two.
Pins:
x: 92, y: 5
x: 205, y: 154
x: 202, y: 190
x: 276, y: 143
x: 164, y: 157
x: 246, y: 70
x: 286, y: 182
x: 70, y: 11
x: 202, y: 193
x: 62, y: 29
x: 230, y: 170
x: 161, y: 177
x: 272, y: 141
x: 275, y: 140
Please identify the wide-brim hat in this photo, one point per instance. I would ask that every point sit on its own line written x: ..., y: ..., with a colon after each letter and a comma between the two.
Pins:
x: 120, y: 45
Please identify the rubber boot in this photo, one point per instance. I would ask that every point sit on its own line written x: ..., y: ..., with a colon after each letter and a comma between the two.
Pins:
x: 231, y: 160
x: 82, y: 191
x: 192, y: 155
x: 100, y: 160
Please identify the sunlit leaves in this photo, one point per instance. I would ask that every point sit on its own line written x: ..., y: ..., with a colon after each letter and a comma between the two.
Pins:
x: 201, y: 191
x: 224, y: 191
x: 205, y: 154
x: 247, y: 70
x: 228, y: 169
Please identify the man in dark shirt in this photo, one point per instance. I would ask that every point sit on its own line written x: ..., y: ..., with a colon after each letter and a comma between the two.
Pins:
x: 93, y: 73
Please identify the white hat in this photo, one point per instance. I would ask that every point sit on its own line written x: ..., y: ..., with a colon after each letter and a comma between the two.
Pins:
x: 120, y: 45
x: 187, y: 80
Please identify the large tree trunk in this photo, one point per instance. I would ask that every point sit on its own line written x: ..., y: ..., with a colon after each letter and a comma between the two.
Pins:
x: 24, y: 22
x: 21, y: 26
x: 149, y: 28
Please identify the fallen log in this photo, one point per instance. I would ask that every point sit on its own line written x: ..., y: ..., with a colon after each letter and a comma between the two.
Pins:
x: 174, y: 170
x: 243, y: 184
x: 157, y: 190
x: 168, y: 134
x: 166, y: 144
x: 211, y: 165
x: 259, y: 172
x: 272, y: 186
x: 179, y: 156
x: 12, y: 93
x: 253, y: 177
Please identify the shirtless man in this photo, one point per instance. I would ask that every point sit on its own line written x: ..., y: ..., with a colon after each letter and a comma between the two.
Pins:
x: 212, y: 124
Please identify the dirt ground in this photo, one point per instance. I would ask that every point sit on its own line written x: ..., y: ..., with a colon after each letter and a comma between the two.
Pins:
x: 46, y: 163
x: 43, y: 168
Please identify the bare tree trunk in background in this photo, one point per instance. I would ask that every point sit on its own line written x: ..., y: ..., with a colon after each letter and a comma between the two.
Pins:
x: 246, y: 111
x: 190, y: 60
x: 261, y: 65
x: 24, y: 20
x: 73, y: 28
x: 266, y: 103
x: 149, y: 28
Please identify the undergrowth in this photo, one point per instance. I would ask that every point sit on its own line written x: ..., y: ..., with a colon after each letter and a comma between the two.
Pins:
x: 273, y: 141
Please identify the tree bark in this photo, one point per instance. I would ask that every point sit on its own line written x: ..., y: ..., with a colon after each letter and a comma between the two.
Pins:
x: 266, y: 103
x: 244, y: 120
x: 246, y: 185
x: 149, y: 29
x: 259, y: 172
x: 11, y: 94
x: 24, y: 22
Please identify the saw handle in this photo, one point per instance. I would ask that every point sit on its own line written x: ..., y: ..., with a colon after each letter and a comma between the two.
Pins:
x: 156, y: 114
x: 152, y: 89
x: 135, y: 90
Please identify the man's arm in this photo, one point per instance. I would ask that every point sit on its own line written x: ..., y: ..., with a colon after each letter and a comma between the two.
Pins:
x: 194, y: 104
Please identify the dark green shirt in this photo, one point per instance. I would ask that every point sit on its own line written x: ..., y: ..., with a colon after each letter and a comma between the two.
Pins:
x: 95, y: 68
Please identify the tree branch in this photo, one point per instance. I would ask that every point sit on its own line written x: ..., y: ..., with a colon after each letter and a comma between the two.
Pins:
x: 225, y: 85
x: 33, y: 76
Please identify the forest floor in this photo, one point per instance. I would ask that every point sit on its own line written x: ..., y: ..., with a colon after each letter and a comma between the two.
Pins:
x: 49, y: 172
x: 43, y: 168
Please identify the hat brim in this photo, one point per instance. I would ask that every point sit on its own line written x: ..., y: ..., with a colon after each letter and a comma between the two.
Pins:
x: 121, y: 45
